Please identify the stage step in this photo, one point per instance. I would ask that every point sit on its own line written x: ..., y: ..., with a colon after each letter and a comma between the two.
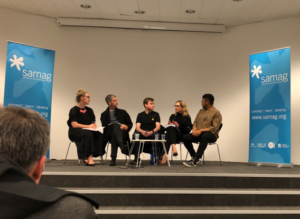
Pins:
x: 198, y: 214
x: 194, y: 197
x: 170, y: 180
x: 231, y: 191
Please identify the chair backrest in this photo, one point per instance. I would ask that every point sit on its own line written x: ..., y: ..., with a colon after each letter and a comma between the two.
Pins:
x: 221, y: 126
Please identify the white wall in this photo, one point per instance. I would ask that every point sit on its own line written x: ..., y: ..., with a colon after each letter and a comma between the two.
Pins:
x: 167, y: 66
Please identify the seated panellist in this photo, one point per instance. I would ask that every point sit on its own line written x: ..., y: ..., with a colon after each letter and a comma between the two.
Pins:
x: 147, y: 125
x: 89, y: 143
x: 117, y: 123
x: 205, y: 130
x: 179, y: 124
x: 24, y: 142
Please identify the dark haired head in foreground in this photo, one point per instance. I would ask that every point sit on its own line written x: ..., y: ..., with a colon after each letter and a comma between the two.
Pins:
x: 24, y: 142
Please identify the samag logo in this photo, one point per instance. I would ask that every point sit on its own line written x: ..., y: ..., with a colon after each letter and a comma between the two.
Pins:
x: 269, y: 79
x: 30, y: 74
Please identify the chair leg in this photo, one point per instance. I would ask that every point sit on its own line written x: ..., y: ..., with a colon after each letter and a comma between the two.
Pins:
x: 67, y: 152
x: 106, y: 151
x: 203, y: 159
x: 219, y: 155
x: 180, y: 152
x: 172, y: 155
x: 79, y: 162
x: 128, y: 153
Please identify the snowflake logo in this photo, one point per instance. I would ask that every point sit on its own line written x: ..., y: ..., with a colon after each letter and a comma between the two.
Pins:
x: 17, y: 62
x: 256, y: 71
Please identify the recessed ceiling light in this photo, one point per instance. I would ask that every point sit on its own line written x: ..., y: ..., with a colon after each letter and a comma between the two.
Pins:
x: 190, y: 11
x: 139, y: 12
x: 237, y: 0
x: 85, y: 6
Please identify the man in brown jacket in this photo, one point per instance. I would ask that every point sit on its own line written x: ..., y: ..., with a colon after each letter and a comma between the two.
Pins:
x: 206, y: 129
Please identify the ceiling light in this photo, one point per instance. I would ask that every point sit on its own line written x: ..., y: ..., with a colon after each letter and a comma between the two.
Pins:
x: 139, y: 12
x: 190, y: 11
x: 237, y: 0
x: 85, y: 6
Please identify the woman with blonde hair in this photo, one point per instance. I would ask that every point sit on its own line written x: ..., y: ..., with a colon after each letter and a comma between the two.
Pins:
x: 89, y: 143
x: 182, y: 125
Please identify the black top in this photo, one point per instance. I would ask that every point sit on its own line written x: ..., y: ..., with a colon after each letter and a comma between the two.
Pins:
x: 122, y: 117
x: 20, y: 196
x: 185, y: 122
x: 83, y: 116
x: 148, y: 120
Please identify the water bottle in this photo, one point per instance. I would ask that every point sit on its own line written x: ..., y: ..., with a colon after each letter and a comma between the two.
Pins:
x: 152, y: 155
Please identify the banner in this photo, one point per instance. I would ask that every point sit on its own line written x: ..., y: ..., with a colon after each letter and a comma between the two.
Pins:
x: 270, y: 107
x: 29, y: 78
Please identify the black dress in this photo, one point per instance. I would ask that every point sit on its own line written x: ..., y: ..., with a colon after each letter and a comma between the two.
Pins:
x: 175, y: 134
x: 87, y: 142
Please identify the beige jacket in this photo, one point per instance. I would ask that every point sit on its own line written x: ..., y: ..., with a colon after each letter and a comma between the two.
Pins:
x: 210, y: 119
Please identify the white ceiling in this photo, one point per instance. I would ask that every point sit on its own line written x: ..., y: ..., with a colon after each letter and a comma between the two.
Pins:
x: 227, y: 12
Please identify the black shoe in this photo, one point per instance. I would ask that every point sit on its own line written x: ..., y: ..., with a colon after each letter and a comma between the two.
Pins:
x: 134, y: 162
x: 112, y: 163
x: 125, y: 150
x: 191, y: 163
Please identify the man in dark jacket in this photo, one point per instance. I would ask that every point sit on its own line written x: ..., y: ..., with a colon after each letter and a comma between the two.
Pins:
x: 24, y: 141
x: 118, y: 124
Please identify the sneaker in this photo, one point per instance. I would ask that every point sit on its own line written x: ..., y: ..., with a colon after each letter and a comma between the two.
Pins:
x: 112, y: 163
x: 191, y: 163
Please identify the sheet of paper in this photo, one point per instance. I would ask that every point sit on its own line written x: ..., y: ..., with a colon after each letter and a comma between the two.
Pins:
x: 171, y: 125
x: 114, y: 123
x: 99, y: 129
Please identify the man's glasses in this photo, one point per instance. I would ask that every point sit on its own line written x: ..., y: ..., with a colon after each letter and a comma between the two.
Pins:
x: 87, y: 97
x: 177, y: 105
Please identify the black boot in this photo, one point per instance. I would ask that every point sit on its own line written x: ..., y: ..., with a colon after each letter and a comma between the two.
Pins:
x: 113, y: 161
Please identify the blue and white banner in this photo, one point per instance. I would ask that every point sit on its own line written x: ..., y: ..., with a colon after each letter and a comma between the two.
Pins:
x: 270, y: 107
x: 29, y: 78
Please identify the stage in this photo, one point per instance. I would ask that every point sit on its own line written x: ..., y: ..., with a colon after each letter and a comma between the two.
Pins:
x: 233, y: 190
x: 176, y: 167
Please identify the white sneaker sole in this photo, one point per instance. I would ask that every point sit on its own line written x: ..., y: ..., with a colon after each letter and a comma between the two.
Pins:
x: 188, y: 165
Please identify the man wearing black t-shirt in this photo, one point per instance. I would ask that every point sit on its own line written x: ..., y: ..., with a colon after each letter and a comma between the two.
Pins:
x: 147, y: 124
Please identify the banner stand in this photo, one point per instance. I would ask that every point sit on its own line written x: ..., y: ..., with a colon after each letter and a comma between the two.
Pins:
x: 270, y: 108
x: 278, y: 165
x: 29, y: 78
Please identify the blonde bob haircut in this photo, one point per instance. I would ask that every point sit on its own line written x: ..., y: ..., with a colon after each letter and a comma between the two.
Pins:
x: 185, y: 111
x: 80, y: 93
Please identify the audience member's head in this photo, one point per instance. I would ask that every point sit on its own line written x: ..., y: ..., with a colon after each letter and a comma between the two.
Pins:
x: 207, y: 100
x: 24, y: 138
x: 149, y: 103
x: 111, y: 100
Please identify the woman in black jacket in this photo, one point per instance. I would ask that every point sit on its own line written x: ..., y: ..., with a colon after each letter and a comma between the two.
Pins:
x: 181, y: 124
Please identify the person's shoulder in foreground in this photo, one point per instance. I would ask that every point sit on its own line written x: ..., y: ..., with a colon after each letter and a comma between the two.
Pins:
x: 22, y: 157
x: 69, y: 207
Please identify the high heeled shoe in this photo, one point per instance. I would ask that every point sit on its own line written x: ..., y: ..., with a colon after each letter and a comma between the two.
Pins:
x: 175, y: 153
x: 163, y: 161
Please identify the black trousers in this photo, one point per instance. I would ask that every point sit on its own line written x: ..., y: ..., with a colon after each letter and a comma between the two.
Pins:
x: 147, y: 146
x: 116, y: 139
x: 87, y: 142
x: 172, y: 137
x: 204, y: 139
